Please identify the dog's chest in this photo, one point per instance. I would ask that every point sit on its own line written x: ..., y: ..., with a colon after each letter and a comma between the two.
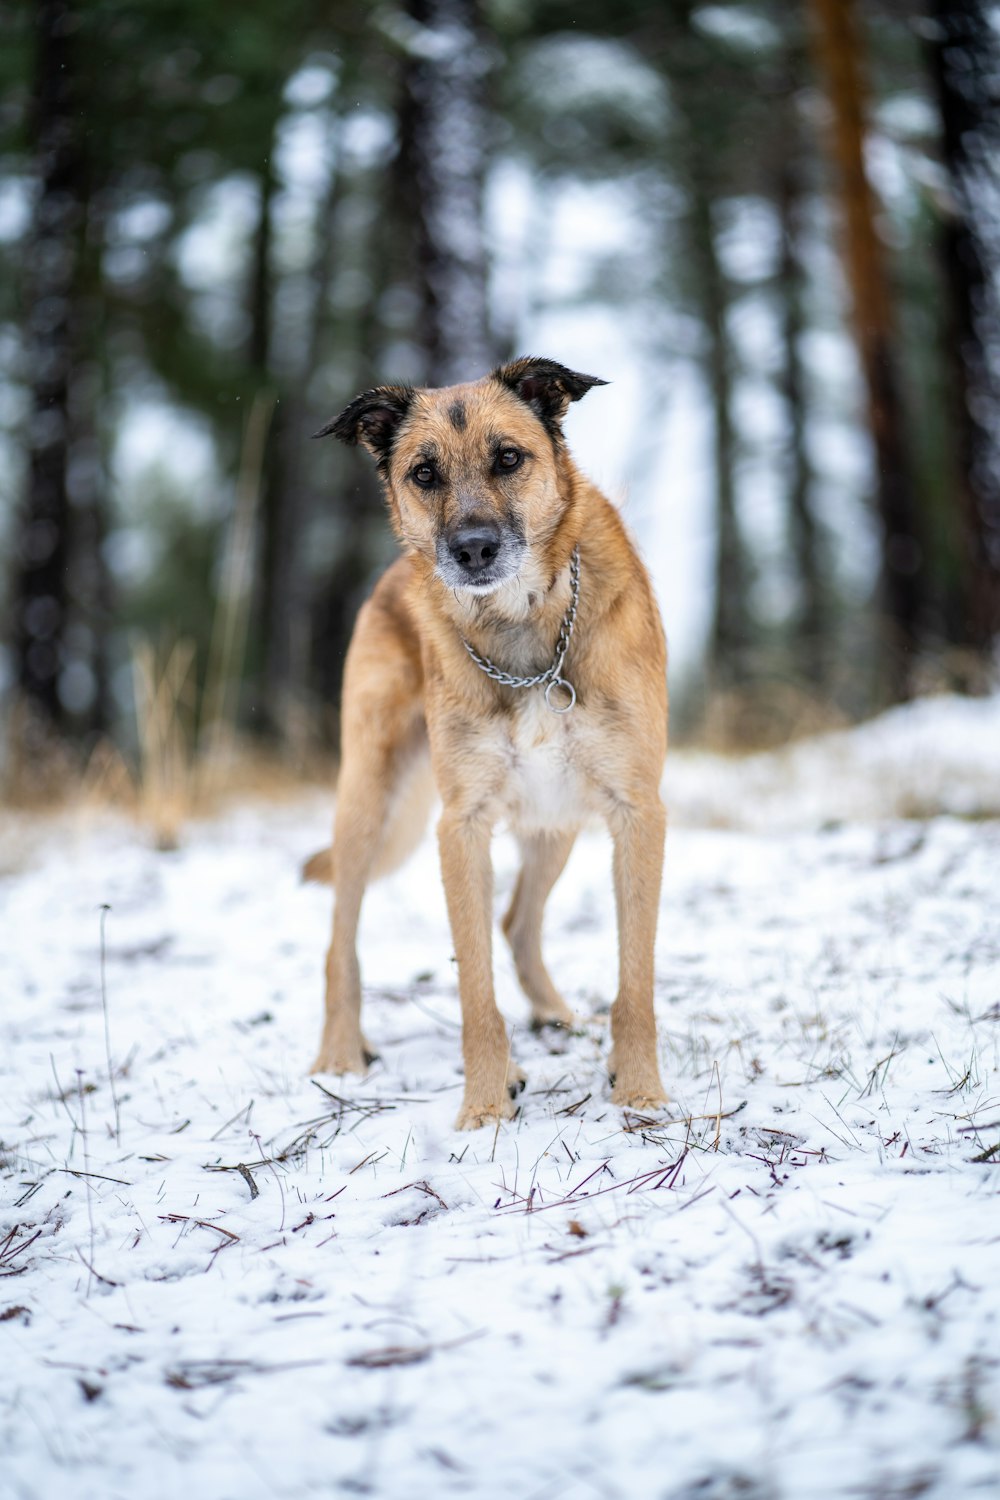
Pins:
x: 544, y: 787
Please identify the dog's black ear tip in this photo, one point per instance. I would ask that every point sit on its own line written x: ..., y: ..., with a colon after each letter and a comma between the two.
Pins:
x: 371, y: 418
x: 335, y: 429
x: 546, y: 381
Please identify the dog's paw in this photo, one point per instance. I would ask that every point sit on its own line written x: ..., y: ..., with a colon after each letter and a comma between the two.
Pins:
x: 516, y: 1080
x: 474, y: 1113
x: 645, y: 1097
x: 554, y: 1012
x: 344, y: 1057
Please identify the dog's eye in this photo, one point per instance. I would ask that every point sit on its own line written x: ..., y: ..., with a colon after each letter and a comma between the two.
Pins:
x: 423, y: 475
x: 508, y: 458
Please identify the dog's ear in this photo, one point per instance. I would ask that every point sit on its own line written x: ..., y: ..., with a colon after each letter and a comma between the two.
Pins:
x: 372, y: 419
x: 547, y: 387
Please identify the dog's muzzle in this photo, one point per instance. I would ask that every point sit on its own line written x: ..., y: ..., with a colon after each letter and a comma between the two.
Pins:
x: 478, y: 556
x: 475, y: 548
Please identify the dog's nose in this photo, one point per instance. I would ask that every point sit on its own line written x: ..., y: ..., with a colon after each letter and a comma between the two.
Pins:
x: 475, y: 547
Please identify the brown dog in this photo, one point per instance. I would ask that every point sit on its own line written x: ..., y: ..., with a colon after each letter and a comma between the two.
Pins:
x: 514, y: 566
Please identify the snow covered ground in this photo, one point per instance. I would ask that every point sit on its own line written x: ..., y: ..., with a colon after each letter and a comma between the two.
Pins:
x: 219, y: 1279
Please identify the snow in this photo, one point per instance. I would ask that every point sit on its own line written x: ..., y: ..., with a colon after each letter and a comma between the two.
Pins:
x: 783, y: 1287
x: 939, y: 755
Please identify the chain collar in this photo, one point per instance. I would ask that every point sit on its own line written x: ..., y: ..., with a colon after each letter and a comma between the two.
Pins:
x: 552, y: 676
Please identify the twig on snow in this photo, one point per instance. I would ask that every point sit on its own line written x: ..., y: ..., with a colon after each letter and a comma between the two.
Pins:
x: 105, y: 908
x: 87, y: 1175
x: 247, y: 1176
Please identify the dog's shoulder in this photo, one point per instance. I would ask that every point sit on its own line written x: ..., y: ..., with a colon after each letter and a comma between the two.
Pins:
x: 387, y: 629
x: 391, y: 589
x: 619, y: 612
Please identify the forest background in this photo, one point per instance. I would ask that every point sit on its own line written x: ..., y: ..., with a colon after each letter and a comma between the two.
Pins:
x: 774, y: 227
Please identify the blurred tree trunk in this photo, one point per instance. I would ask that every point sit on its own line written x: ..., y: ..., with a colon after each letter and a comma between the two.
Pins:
x: 812, y: 622
x: 441, y: 171
x: 701, y: 142
x: 963, y: 55
x: 731, y: 622
x: 90, y: 584
x: 902, y: 573
x: 91, y: 603
x: 259, y: 338
x: 272, y: 545
x: 42, y: 543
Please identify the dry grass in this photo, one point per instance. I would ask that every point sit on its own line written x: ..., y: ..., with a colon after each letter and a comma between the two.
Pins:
x: 165, y: 709
x: 169, y: 782
x: 767, y: 716
x: 190, y: 758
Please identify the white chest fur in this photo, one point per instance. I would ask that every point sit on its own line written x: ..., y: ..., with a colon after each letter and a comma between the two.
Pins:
x: 543, y: 788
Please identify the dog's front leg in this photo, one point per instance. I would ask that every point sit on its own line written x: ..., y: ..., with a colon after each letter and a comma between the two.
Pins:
x: 467, y: 872
x: 638, y: 834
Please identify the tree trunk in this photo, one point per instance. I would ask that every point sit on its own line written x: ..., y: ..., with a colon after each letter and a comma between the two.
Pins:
x: 441, y: 172
x: 963, y: 56
x: 812, y: 623
x: 731, y: 624
x: 91, y: 602
x: 903, y: 572
x: 273, y: 542
x: 40, y: 594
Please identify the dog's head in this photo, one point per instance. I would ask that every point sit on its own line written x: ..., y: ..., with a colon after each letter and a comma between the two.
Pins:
x: 472, y: 472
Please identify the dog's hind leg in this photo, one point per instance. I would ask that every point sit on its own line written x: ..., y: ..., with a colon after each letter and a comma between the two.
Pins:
x: 360, y: 814
x: 543, y: 859
x: 383, y: 738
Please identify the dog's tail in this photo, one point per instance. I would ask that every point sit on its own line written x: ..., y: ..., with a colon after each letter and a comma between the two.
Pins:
x: 318, y: 868
x: 406, y: 820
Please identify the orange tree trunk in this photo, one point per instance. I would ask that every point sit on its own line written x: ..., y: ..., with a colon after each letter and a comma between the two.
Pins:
x: 902, y: 582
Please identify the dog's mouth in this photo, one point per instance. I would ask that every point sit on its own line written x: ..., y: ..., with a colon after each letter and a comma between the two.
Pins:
x: 484, y: 585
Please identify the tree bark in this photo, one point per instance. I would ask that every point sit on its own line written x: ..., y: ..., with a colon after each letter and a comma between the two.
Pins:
x: 40, y: 586
x: 731, y: 623
x: 902, y: 572
x: 441, y: 172
x: 812, y: 622
x: 271, y: 549
x: 963, y: 56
